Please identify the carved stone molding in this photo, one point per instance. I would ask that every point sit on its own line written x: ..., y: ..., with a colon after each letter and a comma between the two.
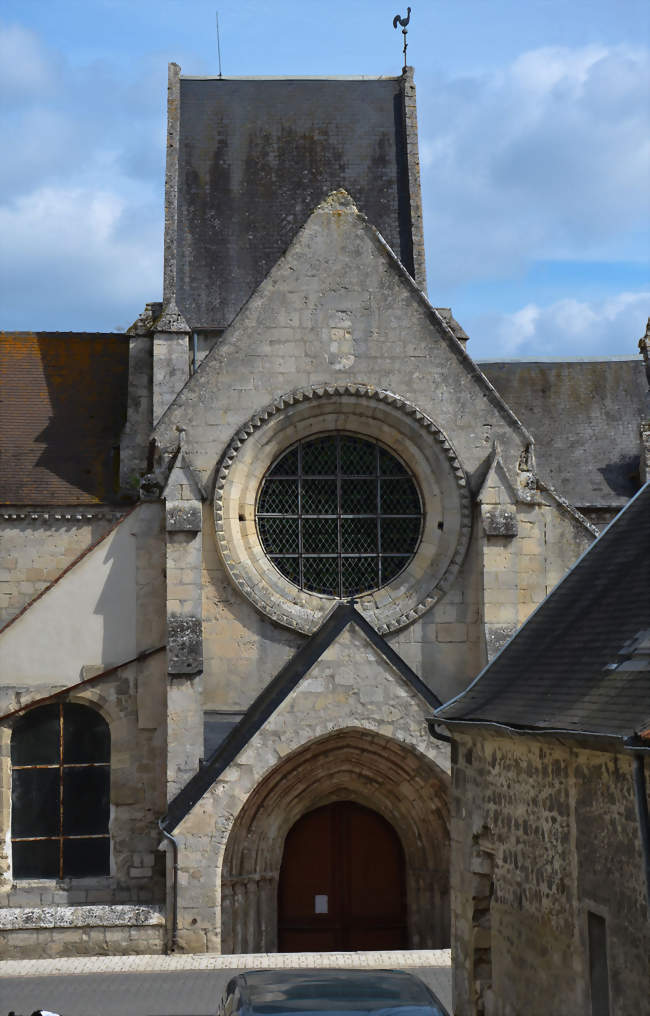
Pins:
x: 365, y: 411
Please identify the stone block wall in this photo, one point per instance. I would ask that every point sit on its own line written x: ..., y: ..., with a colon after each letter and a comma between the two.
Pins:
x: 445, y: 647
x: 335, y: 310
x: 413, y: 158
x: 556, y: 830
x: 37, y: 545
x: 132, y: 700
x: 58, y: 917
x: 350, y: 695
x: 171, y: 368
x: 527, y: 544
x: 81, y: 931
x: 500, y: 583
x: 243, y: 650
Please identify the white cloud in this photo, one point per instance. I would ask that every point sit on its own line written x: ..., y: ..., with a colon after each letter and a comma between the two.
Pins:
x: 80, y: 191
x: 565, y: 328
x: 539, y: 71
x: 75, y: 126
x: 72, y: 259
x: 26, y: 67
x: 547, y: 159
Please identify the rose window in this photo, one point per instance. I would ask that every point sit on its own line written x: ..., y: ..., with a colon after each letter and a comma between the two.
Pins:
x: 339, y: 515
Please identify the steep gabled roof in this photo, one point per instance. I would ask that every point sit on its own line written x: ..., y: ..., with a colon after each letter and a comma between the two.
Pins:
x: 585, y: 416
x: 63, y: 405
x: 254, y: 156
x: 581, y: 663
x: 274, y: 694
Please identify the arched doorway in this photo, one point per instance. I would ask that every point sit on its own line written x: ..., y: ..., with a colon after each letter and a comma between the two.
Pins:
x: 384, y: 775
x: 342, y: 882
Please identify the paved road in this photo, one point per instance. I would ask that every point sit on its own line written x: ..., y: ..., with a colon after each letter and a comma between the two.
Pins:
x: 179, y: 992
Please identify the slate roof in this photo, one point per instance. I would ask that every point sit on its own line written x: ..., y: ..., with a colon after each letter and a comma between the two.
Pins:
x: 584, y: 416
x: 256, y: 156
x: 62, y: 407
x: 581, y: 663
x: 274, y: 694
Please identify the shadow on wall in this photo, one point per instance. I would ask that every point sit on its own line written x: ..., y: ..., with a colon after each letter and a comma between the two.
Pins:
x: 117, y: 600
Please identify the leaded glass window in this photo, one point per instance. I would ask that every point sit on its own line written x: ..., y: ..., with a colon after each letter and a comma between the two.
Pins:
x: 339, y: 515
x: 60, y: 762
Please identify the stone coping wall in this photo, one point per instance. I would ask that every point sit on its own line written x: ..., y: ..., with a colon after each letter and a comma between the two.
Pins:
x: 41, y: 932
x: 13, y: 918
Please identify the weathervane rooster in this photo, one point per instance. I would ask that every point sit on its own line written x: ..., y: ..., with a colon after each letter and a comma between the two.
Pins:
x: 397, y: 20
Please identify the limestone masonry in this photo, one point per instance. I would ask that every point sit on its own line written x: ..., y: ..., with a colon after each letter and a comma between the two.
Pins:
x: 251, y: 546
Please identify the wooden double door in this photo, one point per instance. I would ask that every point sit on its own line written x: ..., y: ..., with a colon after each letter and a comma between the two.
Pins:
x: 342, y: 882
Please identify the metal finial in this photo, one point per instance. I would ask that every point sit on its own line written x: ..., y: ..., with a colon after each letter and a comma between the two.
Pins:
x: 219, y: 44
x: 397, y: 20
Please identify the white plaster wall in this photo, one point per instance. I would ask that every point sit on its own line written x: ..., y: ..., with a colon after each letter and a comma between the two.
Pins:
x: 87, y: 618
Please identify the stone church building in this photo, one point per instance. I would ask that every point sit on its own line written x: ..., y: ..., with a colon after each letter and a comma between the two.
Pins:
x: 251, y: 545
x: 550, y: 863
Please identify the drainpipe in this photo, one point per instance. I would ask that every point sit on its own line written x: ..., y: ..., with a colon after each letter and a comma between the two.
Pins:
x: 174, y: 843
x: 195, y: 351
x: 435, y: 732
x: 640, y: 792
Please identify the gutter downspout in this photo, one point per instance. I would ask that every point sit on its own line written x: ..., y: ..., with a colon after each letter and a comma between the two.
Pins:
x: 641, y: 795
x: 174, y: 843
x: 436, y: 733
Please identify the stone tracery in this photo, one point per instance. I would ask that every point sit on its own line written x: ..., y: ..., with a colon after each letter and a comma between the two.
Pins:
x: 366, y: 411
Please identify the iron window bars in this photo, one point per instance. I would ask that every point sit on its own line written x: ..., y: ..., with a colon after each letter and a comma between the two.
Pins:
x: 339, y: 515
x: 60, y: 757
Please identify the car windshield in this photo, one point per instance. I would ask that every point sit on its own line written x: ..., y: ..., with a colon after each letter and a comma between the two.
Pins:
x: 383, y: 993
x: 311, y: 1006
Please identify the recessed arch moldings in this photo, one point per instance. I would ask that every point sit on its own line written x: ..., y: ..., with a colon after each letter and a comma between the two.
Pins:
x: 365, y: 411
x: 409, y: 790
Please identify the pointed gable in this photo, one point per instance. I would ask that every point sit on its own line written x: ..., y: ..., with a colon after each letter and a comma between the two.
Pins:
x: 342, y: 617
x: 339, y: 308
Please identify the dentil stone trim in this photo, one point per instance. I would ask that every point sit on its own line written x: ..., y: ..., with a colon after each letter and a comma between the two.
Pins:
x: 355, y: 408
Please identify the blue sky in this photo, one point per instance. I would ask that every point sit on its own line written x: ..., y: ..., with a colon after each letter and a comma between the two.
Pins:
x: 534, y: 140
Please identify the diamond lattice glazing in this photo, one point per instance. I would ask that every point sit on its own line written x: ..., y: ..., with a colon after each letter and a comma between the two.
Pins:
x: 339, y: 515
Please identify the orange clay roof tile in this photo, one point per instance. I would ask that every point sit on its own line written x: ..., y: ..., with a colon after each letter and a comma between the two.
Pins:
x: 62, y: 407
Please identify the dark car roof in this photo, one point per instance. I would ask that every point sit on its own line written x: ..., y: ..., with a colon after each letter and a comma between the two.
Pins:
x: 293, y: 991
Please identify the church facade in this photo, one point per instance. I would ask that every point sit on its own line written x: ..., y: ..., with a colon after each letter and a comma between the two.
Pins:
x: 252, y: 545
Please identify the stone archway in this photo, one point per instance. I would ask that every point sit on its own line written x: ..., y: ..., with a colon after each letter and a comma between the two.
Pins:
x: 383, y: 774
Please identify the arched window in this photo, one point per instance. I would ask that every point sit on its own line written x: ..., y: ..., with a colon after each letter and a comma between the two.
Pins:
x: 60, y: 760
